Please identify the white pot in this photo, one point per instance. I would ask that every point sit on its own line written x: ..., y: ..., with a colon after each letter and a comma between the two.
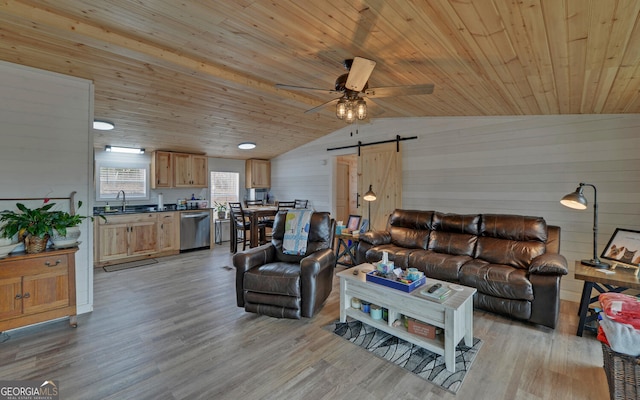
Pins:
x: 71, y: 239
x: 5, y: 241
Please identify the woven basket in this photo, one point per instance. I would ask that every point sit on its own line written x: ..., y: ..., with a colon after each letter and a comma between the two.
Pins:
x: 623, y: 374
x: 34, y: 244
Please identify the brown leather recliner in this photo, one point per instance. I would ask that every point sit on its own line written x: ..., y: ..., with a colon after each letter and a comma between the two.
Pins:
x: 280, y: 285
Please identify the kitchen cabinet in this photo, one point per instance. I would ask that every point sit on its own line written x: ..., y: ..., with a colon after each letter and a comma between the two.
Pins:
x: 127, y: 236
x: 161, y: 170
x: 168, y: 232
x: 131, y: 237
x: 37, y: 287
x: 257, y: 174
x: 189, y: 170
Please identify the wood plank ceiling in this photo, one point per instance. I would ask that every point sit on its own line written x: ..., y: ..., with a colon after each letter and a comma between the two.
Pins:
x: 199, y: 76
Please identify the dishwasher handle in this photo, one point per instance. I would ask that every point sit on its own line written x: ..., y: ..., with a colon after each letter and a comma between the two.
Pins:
x: 194, y: 215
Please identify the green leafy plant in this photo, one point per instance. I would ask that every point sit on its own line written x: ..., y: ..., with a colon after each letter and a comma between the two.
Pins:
x: 61, y: 220
x: 220, y: 207
x: 36, y: 222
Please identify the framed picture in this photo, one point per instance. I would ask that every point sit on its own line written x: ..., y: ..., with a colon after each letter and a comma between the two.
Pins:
x: 623, y: 247
x: 353, y: 223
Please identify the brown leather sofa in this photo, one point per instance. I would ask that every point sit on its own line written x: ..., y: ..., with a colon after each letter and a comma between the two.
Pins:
x: 513, y: 261
x: 280, y: 285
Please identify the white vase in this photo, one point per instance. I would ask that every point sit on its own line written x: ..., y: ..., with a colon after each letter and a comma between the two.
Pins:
x: 71, y: 238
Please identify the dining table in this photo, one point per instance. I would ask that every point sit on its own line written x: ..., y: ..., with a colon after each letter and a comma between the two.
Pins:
x: 255, y: 213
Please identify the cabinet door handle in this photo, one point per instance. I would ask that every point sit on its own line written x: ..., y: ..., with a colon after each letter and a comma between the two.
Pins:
x: 48, y: 264
x: 26, y: 295
x: 18, y: 296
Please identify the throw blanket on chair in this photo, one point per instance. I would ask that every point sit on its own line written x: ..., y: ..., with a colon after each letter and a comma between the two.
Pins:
x: 296, y: 232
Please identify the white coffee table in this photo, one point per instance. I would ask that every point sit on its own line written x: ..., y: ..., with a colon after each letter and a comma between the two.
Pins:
x: 454, y: 315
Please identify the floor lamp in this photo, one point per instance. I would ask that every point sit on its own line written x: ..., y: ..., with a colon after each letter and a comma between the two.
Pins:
x: 577, y: 201
x: 369, y: 197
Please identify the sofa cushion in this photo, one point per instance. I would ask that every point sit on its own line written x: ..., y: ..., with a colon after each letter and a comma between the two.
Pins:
x: 409, y: 238
x: 509, y: 252
x: 399, y: 255
x: 410, y: 228
x: 438, y: 265
x: 279, y: 278
x: 457, y: 223
x: 514, y: 227
x: 497, y: 280
x: 459, y: 244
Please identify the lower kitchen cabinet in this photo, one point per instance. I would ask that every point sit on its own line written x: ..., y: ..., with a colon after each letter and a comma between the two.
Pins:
x: 37, y: 287
x: 132, y: 237
x: 168, y: 232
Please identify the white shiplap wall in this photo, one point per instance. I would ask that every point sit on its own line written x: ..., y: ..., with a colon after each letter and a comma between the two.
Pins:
x: 47, y: 149
x: 514, y: 165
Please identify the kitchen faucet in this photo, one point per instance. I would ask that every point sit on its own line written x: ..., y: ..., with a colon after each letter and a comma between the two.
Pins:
x: 124, y: 200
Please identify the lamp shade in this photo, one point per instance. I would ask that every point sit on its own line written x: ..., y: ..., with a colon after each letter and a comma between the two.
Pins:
x: 370, y: 195
x: 575, y: 200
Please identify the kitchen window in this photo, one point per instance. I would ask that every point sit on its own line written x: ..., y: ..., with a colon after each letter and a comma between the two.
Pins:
x: 225, y: 187
x: 114, y: 176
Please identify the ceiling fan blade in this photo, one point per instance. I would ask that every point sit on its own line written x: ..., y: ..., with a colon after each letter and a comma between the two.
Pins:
x: 308, y: 89
x: 321, y: 106
x: 359, y: 74
x: 390, y: 91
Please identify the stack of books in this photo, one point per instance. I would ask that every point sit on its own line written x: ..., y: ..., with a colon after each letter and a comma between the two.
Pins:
x: 438, y: 295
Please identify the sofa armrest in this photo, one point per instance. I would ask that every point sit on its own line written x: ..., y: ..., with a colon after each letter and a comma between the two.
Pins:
x: 248, y: 259
x: 376, y: 238
x: 549, y: 264
x: 316, y: 280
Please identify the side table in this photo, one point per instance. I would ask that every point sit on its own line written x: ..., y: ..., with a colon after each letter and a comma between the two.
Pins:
x: 348, y: 243
x: 602, y: 280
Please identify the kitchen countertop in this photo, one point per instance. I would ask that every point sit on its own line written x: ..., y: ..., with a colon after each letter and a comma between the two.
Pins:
x: 140, y: 210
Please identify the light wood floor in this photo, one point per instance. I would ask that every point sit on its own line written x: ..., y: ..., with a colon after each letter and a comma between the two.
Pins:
x: 172, y: 331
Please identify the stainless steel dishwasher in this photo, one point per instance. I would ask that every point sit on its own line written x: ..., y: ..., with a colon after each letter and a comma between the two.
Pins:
x: 195, y: 230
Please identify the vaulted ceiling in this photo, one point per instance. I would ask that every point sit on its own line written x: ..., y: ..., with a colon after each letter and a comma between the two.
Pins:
x: 196, y: 75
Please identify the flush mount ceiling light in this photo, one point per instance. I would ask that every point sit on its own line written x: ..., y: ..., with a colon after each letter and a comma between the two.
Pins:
x: 247, y: 146
x: 103, y: 125
x: 128, y: 150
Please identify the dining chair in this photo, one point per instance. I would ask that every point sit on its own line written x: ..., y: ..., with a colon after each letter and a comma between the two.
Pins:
x: 282, y: 205
x: 301, y: 203
x: 249, y: 203
x: 242, y: 227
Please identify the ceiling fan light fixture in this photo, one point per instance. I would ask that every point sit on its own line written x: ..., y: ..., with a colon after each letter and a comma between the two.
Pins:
x: 341, y: 108
x: 361, y: 109
x: 350, y: 114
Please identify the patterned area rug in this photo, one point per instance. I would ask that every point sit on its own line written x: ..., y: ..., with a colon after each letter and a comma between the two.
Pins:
x: 415, y: 359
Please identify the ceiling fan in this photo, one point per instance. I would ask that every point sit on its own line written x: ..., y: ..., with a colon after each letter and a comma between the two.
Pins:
x: 353, y: 88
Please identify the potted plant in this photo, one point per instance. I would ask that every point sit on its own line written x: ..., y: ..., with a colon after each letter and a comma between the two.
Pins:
x: 34, y: 226
x: 221, y: 208
x: 66, y: 227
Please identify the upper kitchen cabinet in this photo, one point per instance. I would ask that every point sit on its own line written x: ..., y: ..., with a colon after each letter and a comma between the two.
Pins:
x: 189, y: 170
x: 161, y: 170
x: 171, y: 169
x: 258, y: 174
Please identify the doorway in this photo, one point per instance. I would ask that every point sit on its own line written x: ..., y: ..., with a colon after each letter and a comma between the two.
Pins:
x: 346, y: 187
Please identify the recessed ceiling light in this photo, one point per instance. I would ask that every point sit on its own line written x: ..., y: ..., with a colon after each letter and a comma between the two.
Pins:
x: 103, y: 125
x: 247, y: 146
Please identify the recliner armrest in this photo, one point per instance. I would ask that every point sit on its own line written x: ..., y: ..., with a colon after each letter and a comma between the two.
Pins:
x: 376, y: 238
x: 248, y: 259
x: 313, y: 263
x: 549, y: 264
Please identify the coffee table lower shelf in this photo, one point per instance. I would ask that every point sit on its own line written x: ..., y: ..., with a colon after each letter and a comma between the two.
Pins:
x: 435, y: 345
